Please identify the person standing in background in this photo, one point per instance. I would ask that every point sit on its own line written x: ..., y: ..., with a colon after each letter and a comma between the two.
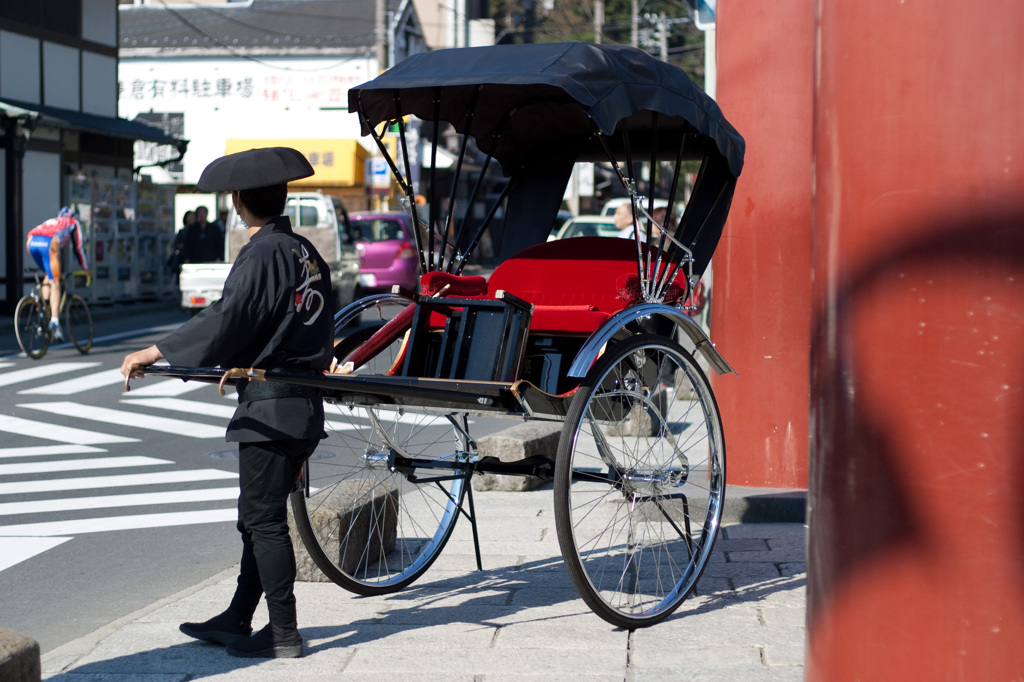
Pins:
x: 177, y: 255
x: 204, y: 241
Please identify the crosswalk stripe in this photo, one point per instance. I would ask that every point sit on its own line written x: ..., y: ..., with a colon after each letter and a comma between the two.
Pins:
x: 341, y: 426
x: 117, y: 481
x: 89, y: 382
x: 80, y: 465
x: 64, y: 434
x: 178, y: 427
x: 15, y: 550
x: 42, y: 371
x: 166, y: 388
x: 112, y: 501
x: 47, y: 450
x: 188, y: 406
x: 134, y: 522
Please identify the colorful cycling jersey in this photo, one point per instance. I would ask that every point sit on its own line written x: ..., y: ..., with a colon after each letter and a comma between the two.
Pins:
x: 62, y: 229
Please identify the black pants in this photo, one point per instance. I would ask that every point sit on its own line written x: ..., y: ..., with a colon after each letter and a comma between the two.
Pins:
x: 267, y: 472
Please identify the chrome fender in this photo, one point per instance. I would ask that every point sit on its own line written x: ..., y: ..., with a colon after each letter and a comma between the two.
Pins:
x: 701, y: 344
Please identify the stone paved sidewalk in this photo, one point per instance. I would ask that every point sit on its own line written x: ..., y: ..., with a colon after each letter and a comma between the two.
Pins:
x: 518, y: 619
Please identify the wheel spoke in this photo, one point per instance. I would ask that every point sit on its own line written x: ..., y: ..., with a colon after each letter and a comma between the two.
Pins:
x: 646, y: 413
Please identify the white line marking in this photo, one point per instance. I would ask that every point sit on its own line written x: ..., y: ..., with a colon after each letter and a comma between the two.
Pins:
x: 188, y: 406
x: 80, y: 465
x: 15, y: 550
x: 112, y: 337
x: 137, y: 332
x: 47, y: 451
x: 42, y: 371
x: 178, y: 427
x: 107, y: 377
x: 112, y: 501
x: 167, y: 388
x: 80, y: 526
x: 64, y: 434
x: 119, y: 481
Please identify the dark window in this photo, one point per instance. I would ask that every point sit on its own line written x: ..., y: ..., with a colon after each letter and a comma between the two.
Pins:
x: 26, y: 11
x: 63, y: 16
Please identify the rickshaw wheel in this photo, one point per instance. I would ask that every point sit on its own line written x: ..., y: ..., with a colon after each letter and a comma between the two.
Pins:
x: 359, y: 321
x: 372, y: 520
x: 640, y: 481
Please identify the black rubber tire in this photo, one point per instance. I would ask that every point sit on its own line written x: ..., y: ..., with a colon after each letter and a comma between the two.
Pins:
x: 639, y: 481
x: 30, y: 326
x: 78, y: 323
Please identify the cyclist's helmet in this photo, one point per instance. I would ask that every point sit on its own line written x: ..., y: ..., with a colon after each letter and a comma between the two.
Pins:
x: 67, y: 212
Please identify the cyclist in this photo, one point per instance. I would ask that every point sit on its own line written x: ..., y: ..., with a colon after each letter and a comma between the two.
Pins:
x: 44, y: 243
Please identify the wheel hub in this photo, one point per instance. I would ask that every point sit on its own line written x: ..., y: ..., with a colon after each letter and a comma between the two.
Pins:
x: 645, y: 485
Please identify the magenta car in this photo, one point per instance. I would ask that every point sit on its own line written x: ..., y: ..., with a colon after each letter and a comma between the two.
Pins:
x: 387, y: 251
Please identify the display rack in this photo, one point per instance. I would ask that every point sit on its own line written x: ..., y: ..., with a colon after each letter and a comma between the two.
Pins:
x: 102, y: 254
x: 126, y: 285
x: 148, y: 261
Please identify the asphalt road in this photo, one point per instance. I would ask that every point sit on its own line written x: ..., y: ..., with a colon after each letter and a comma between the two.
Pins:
x: 108, y: 501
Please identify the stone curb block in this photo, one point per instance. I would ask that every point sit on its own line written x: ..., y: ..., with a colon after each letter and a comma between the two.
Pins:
x: 513, y: 444
x: 19, y: 658
x: 360, y: 508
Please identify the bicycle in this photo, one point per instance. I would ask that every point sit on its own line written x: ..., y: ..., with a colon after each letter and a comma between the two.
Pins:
x: 32, y: 318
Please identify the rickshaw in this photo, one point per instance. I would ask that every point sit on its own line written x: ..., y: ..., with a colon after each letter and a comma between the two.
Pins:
x: 592, y: 333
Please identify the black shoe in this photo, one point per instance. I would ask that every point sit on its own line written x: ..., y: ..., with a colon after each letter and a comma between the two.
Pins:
x: 270, y: 642
x: 222, y: 629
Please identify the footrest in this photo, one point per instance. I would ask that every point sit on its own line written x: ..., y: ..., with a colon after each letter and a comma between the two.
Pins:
x: 541, y: 466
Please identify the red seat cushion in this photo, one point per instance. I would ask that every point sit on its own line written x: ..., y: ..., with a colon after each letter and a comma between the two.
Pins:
x: 456, y: 286
x: 572, y: 283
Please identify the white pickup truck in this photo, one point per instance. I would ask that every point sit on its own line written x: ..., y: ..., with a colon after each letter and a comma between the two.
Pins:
x: 320, y: 218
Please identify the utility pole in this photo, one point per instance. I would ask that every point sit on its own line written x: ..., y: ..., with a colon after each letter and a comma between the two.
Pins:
x: 598, y: 20
x: 634, y: 25
x: 380, y: 32
x: 529, y: 19
x: 662, y: 37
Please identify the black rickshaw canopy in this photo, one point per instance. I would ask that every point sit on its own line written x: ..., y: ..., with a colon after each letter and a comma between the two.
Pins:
x: 537, y: 109
x: 548, y: 91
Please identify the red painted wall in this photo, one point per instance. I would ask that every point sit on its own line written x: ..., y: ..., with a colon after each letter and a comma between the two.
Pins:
x: 915, y: 187
x: 916, y: 544
x: 761, y: 303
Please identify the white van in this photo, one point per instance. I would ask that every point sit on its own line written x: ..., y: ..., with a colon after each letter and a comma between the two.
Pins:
x: 320, y: 218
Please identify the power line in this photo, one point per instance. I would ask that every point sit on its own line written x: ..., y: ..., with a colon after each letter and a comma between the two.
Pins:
x: 364, y: 52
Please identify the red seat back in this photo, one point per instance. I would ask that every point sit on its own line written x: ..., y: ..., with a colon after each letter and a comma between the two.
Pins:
x: 573, y: 283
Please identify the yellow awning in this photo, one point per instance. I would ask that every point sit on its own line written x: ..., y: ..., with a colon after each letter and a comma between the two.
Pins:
x: 336, y: 162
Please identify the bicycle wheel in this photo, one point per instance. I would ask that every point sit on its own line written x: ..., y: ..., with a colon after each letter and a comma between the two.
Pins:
x: 78, y: 323
x: 639, y: 481
x: 377, y: 510
x: 31, y: 327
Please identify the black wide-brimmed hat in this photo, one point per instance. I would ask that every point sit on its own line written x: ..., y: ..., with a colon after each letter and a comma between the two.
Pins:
x: 254, y: 168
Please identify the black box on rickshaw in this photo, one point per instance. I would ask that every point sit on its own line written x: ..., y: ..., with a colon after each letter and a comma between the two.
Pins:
x: 464, y: 338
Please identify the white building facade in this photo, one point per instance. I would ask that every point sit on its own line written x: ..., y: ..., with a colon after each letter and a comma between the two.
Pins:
x: 262, y: 73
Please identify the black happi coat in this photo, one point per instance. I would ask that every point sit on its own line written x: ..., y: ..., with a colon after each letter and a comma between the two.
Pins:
x: 275, y: 311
